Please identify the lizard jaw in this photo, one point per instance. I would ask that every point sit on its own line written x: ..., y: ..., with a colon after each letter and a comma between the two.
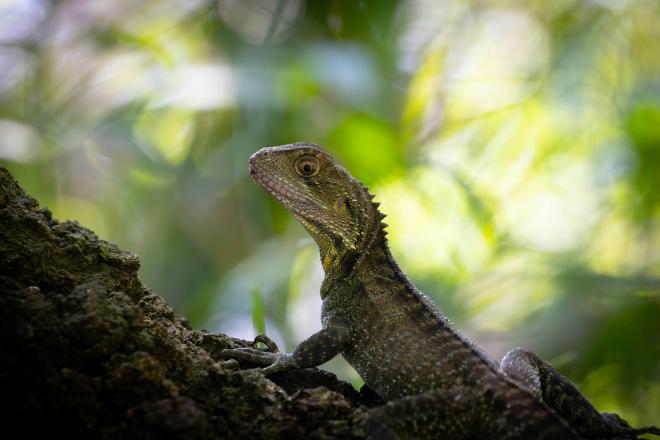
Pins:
x: 283, y: 192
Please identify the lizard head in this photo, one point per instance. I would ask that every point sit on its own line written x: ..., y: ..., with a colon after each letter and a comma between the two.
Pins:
x: 335, y: 208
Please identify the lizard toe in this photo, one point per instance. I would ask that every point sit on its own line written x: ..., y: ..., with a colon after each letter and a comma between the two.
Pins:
x: 251, y: 355
x: 269, y: 343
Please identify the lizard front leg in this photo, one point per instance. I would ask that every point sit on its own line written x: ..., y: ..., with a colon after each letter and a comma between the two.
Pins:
x: 315, y: 350
x: 549, y: 386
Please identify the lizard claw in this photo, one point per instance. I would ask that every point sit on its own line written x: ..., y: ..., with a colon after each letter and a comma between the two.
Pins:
x: 272, y: 346
x: 255, y: 355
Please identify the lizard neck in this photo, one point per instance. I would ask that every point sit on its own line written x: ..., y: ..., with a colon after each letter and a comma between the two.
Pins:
x: 370, y: 255
x: 377, y: 260
x: 372, y: 268
x: 342, y: 259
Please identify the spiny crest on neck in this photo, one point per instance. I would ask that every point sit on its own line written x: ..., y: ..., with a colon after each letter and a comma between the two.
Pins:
x: 371, y: 232
x: 374, y: 226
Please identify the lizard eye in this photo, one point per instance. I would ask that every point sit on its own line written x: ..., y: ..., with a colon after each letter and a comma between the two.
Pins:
x: 307, y: 166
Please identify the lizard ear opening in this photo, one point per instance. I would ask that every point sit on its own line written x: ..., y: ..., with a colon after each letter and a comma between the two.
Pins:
x: 341, y: 204
x: 344, y: 208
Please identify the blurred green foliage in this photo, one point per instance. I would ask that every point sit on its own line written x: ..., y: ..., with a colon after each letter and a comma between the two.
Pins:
x: 514, y: 146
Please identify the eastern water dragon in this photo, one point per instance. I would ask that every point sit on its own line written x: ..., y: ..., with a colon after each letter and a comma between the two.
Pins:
x: 437, y: 383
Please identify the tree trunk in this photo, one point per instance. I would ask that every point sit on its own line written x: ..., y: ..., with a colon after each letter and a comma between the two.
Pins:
x: 87, y: 350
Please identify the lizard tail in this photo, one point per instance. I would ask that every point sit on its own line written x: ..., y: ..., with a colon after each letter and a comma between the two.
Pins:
x: 648, y: 430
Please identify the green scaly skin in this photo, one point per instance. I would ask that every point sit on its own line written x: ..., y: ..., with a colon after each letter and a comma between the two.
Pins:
x: 437, y: 384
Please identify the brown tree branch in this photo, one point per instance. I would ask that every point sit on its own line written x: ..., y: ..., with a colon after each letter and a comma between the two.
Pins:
x: 87, y: 350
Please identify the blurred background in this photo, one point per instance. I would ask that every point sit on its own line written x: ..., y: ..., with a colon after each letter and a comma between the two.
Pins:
x: 514, y: 146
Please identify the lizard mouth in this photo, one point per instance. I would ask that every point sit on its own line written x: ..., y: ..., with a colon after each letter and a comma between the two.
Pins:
x: 283, y: 191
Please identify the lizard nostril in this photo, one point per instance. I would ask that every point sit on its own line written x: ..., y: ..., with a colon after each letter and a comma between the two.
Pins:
x: 252, y: 164
x: 257, y: 159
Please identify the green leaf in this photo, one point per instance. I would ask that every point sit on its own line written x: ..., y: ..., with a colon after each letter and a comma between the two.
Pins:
x: 258, y: 318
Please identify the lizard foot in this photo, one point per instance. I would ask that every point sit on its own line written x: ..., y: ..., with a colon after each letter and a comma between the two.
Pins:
x: 272, y: 359
x: 254, y: 356
x: 262, y: 338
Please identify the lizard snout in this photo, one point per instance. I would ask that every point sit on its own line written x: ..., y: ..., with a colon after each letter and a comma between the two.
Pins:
x: 254, y: 159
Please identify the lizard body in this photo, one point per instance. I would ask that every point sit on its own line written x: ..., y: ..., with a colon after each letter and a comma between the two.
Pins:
x: 435, y: 381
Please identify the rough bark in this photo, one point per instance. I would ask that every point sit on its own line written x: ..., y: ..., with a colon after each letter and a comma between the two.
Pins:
x: 87, y: 350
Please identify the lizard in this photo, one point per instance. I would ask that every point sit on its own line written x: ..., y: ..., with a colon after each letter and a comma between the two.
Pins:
x: 436, y: 382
